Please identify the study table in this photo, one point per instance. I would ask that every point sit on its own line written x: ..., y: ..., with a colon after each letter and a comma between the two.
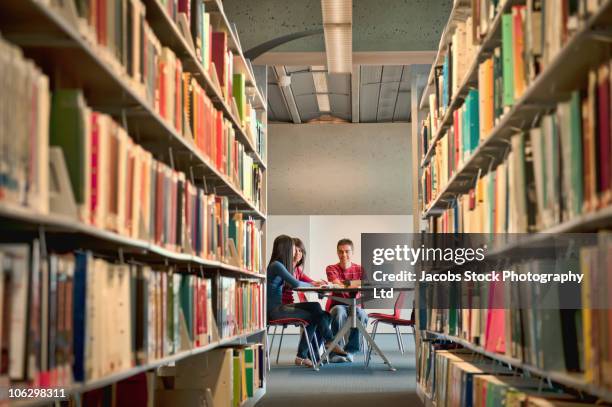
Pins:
x: 352, y: 321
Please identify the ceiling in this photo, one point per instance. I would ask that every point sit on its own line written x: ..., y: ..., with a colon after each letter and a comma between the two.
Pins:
x: 385, y: 25
x: 383, y: 94
x: 389, y: 36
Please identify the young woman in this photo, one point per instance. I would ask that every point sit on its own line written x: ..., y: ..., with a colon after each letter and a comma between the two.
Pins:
x: 281, y: 261
x: 298, y: 271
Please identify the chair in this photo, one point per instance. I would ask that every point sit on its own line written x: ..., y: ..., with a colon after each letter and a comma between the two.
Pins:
x: 285, y: 322
x: 393, y: 320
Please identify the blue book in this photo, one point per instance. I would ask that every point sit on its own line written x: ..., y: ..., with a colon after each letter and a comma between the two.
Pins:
x: 445, y: 83
x: 79, y: 310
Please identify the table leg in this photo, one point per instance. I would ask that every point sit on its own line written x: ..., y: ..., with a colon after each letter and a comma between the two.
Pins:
x: 373, y: 344
x: 339, y: 335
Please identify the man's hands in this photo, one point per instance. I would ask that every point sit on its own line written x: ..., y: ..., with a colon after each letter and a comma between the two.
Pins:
x: 320, y: 283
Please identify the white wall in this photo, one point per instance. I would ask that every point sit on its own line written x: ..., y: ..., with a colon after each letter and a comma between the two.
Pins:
x: 339, y: 169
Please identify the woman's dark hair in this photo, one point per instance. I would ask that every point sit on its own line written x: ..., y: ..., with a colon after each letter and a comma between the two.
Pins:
x: 300, y: 245
x: 282, y: 251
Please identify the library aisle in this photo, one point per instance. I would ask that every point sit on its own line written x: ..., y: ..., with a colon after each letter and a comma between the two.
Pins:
x: 230, y: 203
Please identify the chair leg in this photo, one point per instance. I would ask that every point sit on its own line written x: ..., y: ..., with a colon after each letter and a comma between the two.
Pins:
x: 399, y: 339
x: 280, y: 344
x: 370, y: 348
x: 312, y: 359
x: 271, y: 347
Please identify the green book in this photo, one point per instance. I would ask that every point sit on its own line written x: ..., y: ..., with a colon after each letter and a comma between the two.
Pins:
x: 249, y: 360
x: 169, y: 338
x: 498, y: 84
x: 507, y: 60
x: 186, y: 299
x: 576, y: 152
x: 239, y: 94
x: 67, y: 130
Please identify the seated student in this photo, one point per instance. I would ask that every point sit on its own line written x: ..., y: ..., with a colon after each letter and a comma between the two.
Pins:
x: 281, y: 261
x: 337, y: 274
x: 298, y: 272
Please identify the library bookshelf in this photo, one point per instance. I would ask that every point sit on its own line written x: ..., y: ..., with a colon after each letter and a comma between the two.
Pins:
x: 58, y: 38
x: 571, y: 74
x: 569, y: 63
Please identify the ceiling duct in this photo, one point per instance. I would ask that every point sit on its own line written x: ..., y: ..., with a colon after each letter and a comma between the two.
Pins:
x: 338, y: 31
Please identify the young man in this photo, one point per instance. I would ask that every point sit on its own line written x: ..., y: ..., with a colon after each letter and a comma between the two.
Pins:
x: 338, y: 273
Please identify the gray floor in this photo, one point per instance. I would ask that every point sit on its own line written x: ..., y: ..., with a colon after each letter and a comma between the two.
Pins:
x: 344, y: 384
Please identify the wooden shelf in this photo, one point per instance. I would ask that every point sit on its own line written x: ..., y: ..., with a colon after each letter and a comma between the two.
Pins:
x: 425, y: 398
x: 55, y: 42
x: 564, y: 74
x: 79, y: 388
x: 169, y: 35
x: 572, y: 380
x: 101, y: 239
x: 257, y: 396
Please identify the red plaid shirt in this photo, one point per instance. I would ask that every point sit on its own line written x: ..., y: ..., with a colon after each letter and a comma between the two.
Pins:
x: 336, y: 272
x: 288, y: 291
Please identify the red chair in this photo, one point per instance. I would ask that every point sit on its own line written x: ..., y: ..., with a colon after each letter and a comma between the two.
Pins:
x: 393, y: 320
x: 285, y: 322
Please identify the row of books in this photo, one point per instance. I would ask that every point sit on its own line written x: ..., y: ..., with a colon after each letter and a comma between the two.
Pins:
x: 555, y: 172
x: 119, y: 186
x: 212, y: 48
x: 24, y: 175
x: 531, y: 36
x: 457, y: 377
x: 127, y: 42
x: 245, y: 373
x: 549, y: 330
x: 75, y: 317
x: 239, y: 306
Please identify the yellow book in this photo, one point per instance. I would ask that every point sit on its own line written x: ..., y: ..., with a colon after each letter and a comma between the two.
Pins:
x: 486, y: 97
x: 587, y: 325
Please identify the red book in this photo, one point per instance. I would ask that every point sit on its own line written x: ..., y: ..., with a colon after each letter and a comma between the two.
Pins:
x: 101, y: 22
x: 159, y: 199
x: 219, y: 141
x: 95, y: 155
x: 184, y: 6
x: 132, y: 391
x: 495, y: 333
x: 128, y: 194
x: 219, y: 56
x: 161, y: 86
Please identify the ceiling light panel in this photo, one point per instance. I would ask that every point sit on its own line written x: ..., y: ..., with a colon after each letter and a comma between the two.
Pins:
x: 320, y: 82
x: 323, y: 102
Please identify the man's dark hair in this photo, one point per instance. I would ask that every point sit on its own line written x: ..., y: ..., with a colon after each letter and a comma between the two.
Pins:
x: 345, y: 241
